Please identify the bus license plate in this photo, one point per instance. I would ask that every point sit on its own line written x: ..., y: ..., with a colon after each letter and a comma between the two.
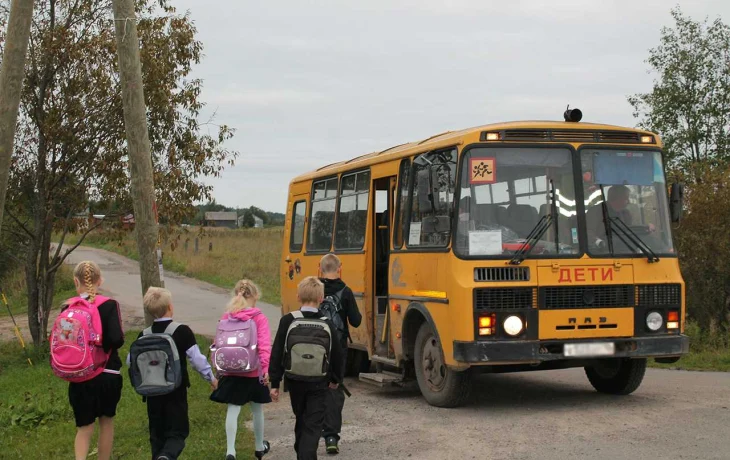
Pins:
x: 589, y: 349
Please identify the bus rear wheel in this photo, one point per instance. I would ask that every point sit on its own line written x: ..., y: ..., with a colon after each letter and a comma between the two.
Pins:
x: 617, y: 376
x: 439, y: 385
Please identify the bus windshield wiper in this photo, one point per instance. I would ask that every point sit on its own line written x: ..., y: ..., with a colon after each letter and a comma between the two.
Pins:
x: 624, y: 233
x: 620, y: 227
x: 537, y: 232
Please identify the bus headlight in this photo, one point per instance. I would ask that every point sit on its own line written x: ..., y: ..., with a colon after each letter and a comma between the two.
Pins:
x: 654, y: 321
x: 513, y: 325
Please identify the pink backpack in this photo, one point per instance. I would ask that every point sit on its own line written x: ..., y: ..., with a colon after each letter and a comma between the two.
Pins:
x: 76, y: 351
x: 235, y: 348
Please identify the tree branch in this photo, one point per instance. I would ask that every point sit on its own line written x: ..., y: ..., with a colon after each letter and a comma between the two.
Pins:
x: 60, y: 261
x: 17, y: 221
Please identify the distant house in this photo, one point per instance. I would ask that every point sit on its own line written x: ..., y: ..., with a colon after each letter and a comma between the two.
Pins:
x: 258, y: 222
x: 221, y: 219
x: 128, y: 222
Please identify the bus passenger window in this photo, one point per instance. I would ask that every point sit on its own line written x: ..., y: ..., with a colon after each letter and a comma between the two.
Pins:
x: 297, y: 229
x: 434, y: 179
x: 353, y: 213
x: 324, y: 198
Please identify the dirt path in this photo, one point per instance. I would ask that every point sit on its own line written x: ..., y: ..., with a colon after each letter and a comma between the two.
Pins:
x: 552, y: 415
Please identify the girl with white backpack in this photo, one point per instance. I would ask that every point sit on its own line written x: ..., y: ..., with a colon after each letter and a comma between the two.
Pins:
x: 240, y: 356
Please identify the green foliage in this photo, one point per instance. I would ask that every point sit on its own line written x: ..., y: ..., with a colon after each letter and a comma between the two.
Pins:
x: 689, y: 104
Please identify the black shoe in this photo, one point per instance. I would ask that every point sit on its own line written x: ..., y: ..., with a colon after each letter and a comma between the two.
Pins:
x: 331, y: 443
x: 230, y: 457
x: 260, y: 453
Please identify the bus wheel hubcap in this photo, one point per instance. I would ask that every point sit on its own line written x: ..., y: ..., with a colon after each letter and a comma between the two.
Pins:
x: 433, y: 368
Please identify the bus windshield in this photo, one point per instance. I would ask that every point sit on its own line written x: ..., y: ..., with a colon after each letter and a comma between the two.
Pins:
x: 628, y: 189
x: 509, y: 192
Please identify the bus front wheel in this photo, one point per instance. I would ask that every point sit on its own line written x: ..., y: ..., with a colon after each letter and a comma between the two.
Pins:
x: 439, y: 385
x: 617, y: 376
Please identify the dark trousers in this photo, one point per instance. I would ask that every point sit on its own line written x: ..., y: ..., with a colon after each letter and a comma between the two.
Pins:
x: 335, y: 404
x: 169, y: 423
x: 308, y: 404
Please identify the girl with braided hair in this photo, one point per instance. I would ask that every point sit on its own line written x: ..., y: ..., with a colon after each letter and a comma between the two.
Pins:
x: 97, y: 399
x: 252, y: 387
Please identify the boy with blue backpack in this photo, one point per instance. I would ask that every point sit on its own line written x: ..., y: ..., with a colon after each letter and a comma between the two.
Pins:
x: 158, y: 372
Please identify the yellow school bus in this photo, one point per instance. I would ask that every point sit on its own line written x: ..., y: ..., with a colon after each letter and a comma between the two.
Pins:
x: 509, y: 247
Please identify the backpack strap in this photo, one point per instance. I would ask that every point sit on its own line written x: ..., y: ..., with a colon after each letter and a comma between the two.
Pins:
x: 297, y: 314
x: 172, y: 327
x: 147, y: 331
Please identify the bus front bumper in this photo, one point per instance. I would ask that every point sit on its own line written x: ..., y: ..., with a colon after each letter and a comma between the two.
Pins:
x: 512, y: 352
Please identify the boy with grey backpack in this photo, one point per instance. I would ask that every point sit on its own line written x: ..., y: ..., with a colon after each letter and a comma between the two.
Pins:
x: 158, y: 362
x: 307, y: 354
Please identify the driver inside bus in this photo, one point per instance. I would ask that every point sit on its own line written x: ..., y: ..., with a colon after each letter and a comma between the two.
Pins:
x: 617, y: 201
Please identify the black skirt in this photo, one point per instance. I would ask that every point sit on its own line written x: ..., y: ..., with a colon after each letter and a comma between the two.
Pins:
x: 241, y: 390
x: 95, y: 398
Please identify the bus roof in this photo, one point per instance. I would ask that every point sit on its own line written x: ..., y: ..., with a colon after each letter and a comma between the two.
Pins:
x: 531, y: 131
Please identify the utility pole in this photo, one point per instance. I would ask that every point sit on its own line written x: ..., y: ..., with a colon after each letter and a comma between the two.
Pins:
x: 12, y: 72
x: 138, y: 142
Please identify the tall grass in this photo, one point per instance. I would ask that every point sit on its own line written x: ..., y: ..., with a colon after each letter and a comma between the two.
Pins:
x: 235, y: 254
x: 14, y: 287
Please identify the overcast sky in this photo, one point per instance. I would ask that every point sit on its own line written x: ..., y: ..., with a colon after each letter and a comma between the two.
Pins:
x: 308, y: 83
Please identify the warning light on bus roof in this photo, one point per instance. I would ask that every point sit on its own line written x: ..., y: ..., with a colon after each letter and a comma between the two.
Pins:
x: 647, y: 139
x: 492, y: 136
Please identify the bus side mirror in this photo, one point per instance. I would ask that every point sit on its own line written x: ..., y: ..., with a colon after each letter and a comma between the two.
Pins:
x: 676, y: 199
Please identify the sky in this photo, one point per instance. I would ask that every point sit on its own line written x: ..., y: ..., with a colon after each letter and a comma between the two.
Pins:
x: 309, y: 83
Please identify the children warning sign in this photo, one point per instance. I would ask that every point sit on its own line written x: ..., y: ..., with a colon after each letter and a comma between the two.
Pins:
x: 482, y: 171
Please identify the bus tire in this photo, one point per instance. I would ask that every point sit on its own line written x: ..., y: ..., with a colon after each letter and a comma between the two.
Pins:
x: 617, y: 376
x: 439, y: 385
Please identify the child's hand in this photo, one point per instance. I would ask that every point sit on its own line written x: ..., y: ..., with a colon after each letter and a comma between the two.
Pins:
x: 265, y: 380
x: 274, y: 394
x: 333, y: 385
x: 214, y: 384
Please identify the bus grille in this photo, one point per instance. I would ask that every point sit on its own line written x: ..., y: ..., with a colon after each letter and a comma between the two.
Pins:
x: 571, y: 297
x: 502, y: 274
x: 659, y: 295
x: 503, y: 298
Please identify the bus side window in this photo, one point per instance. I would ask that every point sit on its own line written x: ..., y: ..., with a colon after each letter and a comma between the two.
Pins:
x: 322, y: 218
x: 299, y: 212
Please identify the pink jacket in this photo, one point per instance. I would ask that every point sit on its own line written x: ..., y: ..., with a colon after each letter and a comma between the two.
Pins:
x: 264, y: 336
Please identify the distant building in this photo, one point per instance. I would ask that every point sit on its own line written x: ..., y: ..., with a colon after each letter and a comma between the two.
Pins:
x: 240, y: 220
x: 221, y: 219
x: 128, y: 222
x: 258, y: 222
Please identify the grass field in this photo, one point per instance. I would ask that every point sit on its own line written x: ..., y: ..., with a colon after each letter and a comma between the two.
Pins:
x: 236, y: 254
x: 36, y: 420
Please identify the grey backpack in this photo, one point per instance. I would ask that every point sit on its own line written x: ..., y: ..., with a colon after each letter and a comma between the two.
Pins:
x: 154, y: 368
x: 308, y: 345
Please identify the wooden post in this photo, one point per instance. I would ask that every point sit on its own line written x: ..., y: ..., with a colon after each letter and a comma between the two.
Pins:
x: 138, y: 142
x: 12, y: 71
x: 210, y: 246
x: 187, y: 240
x: 196, y: 246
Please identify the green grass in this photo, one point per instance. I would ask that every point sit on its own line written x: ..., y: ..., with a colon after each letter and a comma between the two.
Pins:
x: 36, y: 420
x: 718, y: 361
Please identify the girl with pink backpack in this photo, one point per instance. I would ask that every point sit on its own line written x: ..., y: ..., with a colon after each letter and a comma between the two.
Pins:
x: 240, y: 356
x: 84, y: 342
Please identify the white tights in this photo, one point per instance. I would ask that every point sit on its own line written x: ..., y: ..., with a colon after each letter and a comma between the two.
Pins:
x: 232, y: 426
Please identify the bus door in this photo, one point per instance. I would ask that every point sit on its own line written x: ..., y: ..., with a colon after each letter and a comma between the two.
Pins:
x: 293, y: 253
x: 384, y: 189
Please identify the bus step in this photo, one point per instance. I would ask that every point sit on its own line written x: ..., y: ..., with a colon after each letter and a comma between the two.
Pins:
x: 381, y: 379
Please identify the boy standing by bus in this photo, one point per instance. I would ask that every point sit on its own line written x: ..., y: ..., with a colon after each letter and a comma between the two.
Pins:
x: 342, y: 298
x: 308, y: 354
